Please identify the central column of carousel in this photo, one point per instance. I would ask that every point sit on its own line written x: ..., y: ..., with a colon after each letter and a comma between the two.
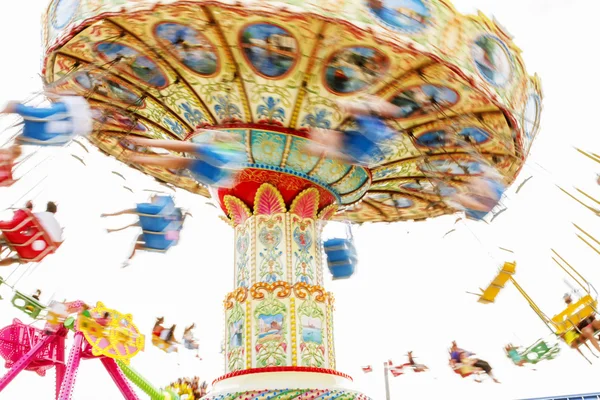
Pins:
x: 279, y: 318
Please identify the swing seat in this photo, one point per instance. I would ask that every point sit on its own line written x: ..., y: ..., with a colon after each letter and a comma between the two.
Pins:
x: 28, y: 305
x: 157, y: 216
x: 217, y: 166
x: 155, y: 241
x: 339, y: 249
x: 491, y: 292
x: 162, y: 223
x: 43, y: 139
x: 162, y: 344
x: 464, y: 370
x: 342, y: 270
x: 56, y: 125
x: 26, y: 237
x: 498, y: 188
x: 576, y: 312
x: 341, y: 257
x: 362, y: 143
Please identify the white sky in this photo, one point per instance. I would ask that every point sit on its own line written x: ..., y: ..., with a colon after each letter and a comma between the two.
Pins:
x: 409, y: 293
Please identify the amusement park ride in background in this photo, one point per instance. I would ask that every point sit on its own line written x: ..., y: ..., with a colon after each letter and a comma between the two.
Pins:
x: 114, y: 342
x: 268, y: 73
x: 566, y: 325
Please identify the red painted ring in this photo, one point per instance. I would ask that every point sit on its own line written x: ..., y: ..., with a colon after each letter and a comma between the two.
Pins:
x: 282, y: 369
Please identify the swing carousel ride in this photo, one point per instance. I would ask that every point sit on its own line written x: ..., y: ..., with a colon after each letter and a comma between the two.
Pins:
x: 269, y: 73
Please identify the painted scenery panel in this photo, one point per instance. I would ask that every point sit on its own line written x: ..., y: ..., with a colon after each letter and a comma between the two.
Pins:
x: 354, y: 68
x: 190, y: 47
x: 271, y: 50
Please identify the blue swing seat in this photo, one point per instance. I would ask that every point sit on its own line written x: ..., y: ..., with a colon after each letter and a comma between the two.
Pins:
x: 157, y: 241
x: 362, y: 144
x: 498, y: 188
x: 216, y: 165
x: 341, y: 257
x: 156, y: 217
x: 57, y: 124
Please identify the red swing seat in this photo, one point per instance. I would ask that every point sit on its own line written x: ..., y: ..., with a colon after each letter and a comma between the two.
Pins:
x: 22, y: 232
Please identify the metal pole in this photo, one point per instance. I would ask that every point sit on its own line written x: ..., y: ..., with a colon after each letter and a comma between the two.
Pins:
x: 387, y: 381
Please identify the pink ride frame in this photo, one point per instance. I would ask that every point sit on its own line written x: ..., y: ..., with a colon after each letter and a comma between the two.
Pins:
x: 26, y: 347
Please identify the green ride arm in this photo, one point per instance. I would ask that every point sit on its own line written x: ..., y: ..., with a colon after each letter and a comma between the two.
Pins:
x: 143, y: 384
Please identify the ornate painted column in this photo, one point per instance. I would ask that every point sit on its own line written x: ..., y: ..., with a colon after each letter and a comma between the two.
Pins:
x: 279, y: 313
x: 279, y: 317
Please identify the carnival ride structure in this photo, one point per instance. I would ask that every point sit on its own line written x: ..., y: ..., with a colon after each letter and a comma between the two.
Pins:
x: 563, y: 325
x: 113, y: 341
x: 268, y: 72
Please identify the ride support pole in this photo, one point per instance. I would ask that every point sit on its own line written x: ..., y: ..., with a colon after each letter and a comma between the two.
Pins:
x: 119, y: 378
x: 66, y: 389
x: 141, y: 382
x: 60, y: 365
x: 24, y: 362
x: 386, y: 372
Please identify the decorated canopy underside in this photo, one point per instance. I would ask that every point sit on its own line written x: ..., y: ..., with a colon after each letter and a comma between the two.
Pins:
x: 271, y: 70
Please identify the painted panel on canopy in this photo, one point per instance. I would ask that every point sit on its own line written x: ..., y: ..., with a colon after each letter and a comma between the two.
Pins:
x: 363, y: 212
x: 106, y: 117
x: 398, y: 148
x: 351, y: 181
x: 421, y: 188
x: 112, y: 90
x: 400, y: 168
x: 530, y: 120
x: 393, y: 200
x: 417, y: 210
x: 360, y: 212
x: 330, y: 171
x: 356, y: 195
x: 110, y: 145
x: 436, y: 93
x: 184, y: 36
x: 272, y: 55
x: 267, y: 147
x: 489, y: 134
x: 490, y: 56
x: 240, y: 135
x: 349, y: 64
x: 140, y: 66
x: 61, y: 16
x: 298, y: 159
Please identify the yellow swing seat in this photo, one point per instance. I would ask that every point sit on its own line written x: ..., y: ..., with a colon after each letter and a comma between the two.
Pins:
x: 161, y: 344
x: 576, y: 312
x: 491, y: 292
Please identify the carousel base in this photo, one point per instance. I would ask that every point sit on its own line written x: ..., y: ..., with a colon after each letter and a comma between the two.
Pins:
x: 284, y: 383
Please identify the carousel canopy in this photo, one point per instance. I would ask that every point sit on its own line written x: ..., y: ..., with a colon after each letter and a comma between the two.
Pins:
x: 270, y: 70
